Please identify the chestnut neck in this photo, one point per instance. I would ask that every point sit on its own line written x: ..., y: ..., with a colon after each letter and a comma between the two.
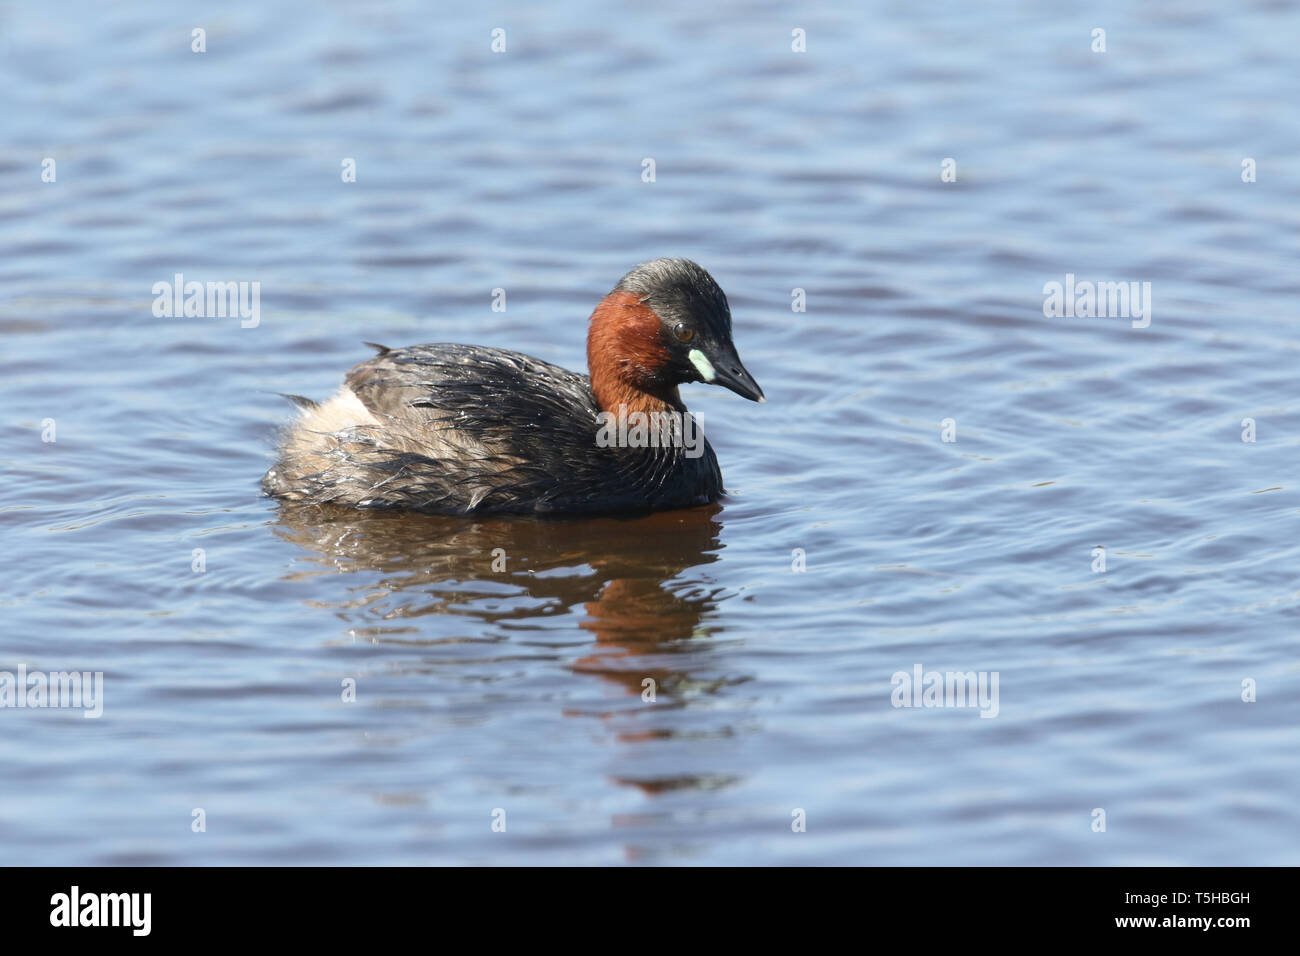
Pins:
x: 627, y: 358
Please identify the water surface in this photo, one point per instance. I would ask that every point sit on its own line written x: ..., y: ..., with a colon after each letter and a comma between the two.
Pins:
x: 521, y: 689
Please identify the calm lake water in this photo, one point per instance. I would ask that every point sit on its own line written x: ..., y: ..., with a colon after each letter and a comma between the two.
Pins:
x: 479, y: 690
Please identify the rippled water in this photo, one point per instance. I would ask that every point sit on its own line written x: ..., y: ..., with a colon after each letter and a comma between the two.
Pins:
x: 521, y: 690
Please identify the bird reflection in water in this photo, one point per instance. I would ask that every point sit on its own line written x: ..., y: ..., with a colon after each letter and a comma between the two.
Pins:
x: 619, y: 570
x: 620, y: 576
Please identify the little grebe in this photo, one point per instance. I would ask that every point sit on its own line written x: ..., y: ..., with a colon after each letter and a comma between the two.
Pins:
x: 463, y: 429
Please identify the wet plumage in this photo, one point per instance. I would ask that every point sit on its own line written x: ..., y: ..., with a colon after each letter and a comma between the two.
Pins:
x: 462, y: 429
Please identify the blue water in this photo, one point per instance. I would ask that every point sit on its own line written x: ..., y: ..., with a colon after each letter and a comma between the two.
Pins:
x: 480, y: 690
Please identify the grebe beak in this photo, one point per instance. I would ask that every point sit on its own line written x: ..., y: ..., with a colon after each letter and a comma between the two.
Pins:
x: 729, y: 373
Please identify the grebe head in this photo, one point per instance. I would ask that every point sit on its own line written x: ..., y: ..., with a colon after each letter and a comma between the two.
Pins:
x: 665, y: 323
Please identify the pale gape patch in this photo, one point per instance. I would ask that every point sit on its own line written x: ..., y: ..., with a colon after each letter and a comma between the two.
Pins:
x: 702, y: 364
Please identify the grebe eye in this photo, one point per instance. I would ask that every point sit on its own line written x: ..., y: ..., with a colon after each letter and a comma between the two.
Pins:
x: 683, y: 333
